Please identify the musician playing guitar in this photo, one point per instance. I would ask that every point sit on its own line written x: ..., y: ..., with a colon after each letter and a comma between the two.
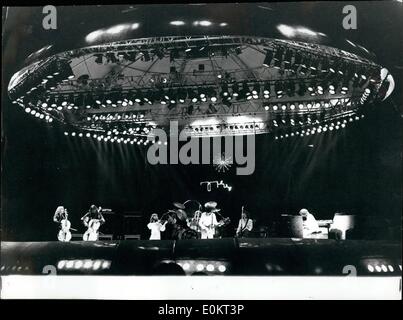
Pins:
x: 93, y: 220
x: 245, y: 225
x: 208, y: 221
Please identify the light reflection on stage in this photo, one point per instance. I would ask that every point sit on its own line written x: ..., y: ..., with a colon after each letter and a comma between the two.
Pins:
x: 227, y: 256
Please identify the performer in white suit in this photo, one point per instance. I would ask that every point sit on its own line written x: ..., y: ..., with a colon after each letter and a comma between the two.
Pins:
x: 208, y: 221
x: 309, y: 223
x: 156, y: 227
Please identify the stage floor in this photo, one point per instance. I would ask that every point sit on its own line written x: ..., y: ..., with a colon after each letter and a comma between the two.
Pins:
x: 229, y: 256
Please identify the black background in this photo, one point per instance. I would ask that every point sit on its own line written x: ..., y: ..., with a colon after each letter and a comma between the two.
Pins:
x: 357, y: 169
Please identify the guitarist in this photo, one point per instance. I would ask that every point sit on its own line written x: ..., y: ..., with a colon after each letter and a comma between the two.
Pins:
x: 208, y: 221
x: 245, y: 225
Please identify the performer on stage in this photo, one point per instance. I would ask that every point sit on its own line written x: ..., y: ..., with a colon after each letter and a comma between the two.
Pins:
x: 93, y: 213
x: 61, y: 217
x: 309, y: 223
x: 60, y: 214
x: 245, y: 225
x: 193, y: 223
x: 208, y: 221
x: 93, y: 219
x: 156, y: 227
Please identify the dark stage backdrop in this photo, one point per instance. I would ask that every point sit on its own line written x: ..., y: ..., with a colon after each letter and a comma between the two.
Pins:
x: 356, y: 170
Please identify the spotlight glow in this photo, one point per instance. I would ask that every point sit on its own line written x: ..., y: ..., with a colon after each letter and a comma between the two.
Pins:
x: 177, y: 23
x: 222, y: 268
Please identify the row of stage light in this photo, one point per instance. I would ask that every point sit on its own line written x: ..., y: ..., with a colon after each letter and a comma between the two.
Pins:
x: 298, y: 61
x: 347, y: 76
x: 317, y: 128
x: 133, y: 136
x: 226, y: 94
x: 133, y: 139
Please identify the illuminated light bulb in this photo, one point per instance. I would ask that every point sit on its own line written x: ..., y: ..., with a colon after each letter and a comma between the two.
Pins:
x: 87, y: 264
x: 222, y: 268
x: 70, y: 264
x: 391, y: 269
x: 61, y: 264
x: 378, y: 268
x: 106, y: 264
x: 96, y: 265
x: 27, y: 110
x: 210, y: 268
x: 384, y: 268
x: 275, y: 108
x: 266, y: 108
x: 199, y: 267
x: 186, y: 266
x: 78, y: 264
x: 370, y: 268
x: 292, y: 107
x: 283, y: 107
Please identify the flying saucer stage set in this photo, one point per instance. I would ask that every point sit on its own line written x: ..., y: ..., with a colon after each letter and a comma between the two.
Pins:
x: 127, y: 89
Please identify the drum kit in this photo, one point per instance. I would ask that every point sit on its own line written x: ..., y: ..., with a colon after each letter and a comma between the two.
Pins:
x: 184, y: 218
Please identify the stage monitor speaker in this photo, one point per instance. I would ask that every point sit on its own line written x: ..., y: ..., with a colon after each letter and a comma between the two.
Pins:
x: 76, y: 237
x: 290, y: 226
x: 133, y: 224
x: 132, y: 237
